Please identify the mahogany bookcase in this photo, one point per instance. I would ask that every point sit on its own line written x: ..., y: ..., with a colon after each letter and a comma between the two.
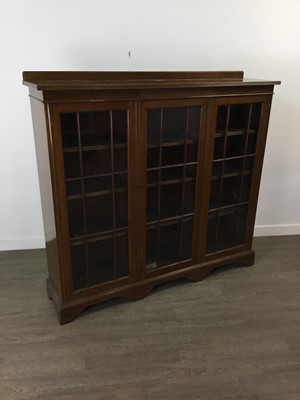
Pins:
x: 145, y: 177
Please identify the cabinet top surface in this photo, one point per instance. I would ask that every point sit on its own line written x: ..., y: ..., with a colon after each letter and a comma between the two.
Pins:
x: 92, y: 80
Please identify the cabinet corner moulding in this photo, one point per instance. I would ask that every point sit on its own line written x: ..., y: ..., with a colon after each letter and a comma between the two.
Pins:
x: 145, y: 177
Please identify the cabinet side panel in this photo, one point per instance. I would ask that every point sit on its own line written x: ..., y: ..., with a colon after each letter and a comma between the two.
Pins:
x: 42, y: 138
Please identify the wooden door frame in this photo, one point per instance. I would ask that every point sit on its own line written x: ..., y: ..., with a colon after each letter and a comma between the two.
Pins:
x: 60, y: 197
x: 145, y: 105
x: 265, y: 100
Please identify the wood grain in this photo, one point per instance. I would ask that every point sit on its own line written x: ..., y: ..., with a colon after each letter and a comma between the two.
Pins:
x: 233, y: 336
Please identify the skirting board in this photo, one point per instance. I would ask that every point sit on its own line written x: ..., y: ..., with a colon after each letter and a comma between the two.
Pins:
x: 37, y: 242
x: 276, y: 230
x: 22, y: 243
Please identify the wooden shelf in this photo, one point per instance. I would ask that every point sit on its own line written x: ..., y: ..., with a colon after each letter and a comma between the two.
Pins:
x: 236, y: 132
x: 94, y: 148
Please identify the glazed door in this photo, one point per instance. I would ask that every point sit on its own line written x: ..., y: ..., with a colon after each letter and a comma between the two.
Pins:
x: 94, y: 145
x: 237, y: 133
x: 173, y: 143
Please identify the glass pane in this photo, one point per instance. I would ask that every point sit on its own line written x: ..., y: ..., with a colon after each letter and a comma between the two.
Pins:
x: 119, y: 120
x: 255, y: 116
x: 120, y: 181
x: 238, y: 117
x: 172, y: 155
x: 222, y: 119
x: 76, y: 222
x: 94, y: 128
x: 219, y: 148
x: 187, y: 239
x: 169, y: 244
x: 189, y: 197
x: 68, y: 122
x: 231, y: 190
x: 171, y: 183
x: 152, y: 177
x: 249, y: 162
x: 214, y: 194
x: 233, y: 167
x: 153, y: 126
x: 235, y: 146
x: 174, y: 124
x: 226, y: 229
x: 96, y: 162
x: 122, y: 255
x: 190, y: 171
x: 241, y: 226
x: 173, y: 173
x: 89, y: 173
x: 121, y: 212
x: 151, y: 255
x: 99, y: 213
x: 238, y: 124
x: 73, y: 187
x: 152, y: 204
x: 192, y: 152
x: 211, y: 232
x: 120, y: 159
x: 152, y: 158
x: 247, y: 180
x: 79, y: 267
x: 72, y: 165
x: 194, y: 123
x: 171, y: 200
x: 251, y: 145
x: 101, y: 261
x: 102, y: 183
x: 217, y: 169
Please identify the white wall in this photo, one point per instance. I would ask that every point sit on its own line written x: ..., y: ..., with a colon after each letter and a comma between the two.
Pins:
x: 261, y: 37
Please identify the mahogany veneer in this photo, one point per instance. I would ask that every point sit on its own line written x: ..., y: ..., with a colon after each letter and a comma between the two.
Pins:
x: 145, y: 177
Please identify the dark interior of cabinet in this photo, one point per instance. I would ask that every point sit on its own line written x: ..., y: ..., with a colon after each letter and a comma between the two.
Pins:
x: 95, y: 148
x: 172, y: 157
x: 234, y: 151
